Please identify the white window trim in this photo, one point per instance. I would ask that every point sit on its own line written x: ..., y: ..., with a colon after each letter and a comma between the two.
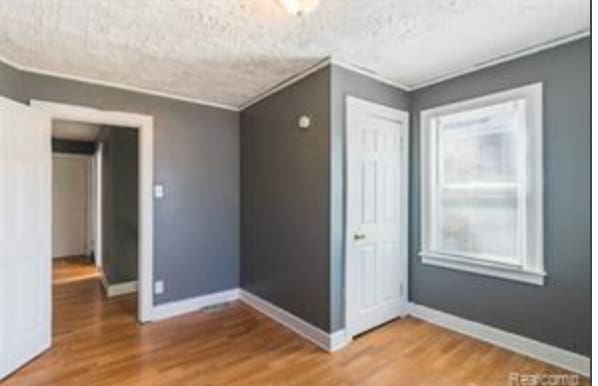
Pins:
x: 531, y: 270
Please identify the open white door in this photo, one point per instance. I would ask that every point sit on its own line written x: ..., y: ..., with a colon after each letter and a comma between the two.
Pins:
x: 25, y: 234
x: 376, y: 234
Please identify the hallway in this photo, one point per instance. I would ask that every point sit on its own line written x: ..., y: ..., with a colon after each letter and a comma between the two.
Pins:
x: 72, y: 269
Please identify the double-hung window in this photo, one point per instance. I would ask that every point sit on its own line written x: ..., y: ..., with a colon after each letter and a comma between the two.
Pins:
x: 482, y: 185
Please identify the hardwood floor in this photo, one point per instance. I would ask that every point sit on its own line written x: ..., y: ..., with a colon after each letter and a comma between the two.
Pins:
x: 70, y: 269
x: 98, y: 342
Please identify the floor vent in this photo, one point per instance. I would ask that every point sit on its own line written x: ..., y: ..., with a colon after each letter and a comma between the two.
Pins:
x: 215, y: 308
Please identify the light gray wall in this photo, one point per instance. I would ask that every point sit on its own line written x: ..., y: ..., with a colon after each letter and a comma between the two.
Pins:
x: 284, y: 199
x: 344, y: 83
x: 120, y: 203
x: 196, y: 150
x: 559, y: 312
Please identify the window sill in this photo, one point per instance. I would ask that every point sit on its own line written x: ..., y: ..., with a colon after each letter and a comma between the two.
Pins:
x: 482, y: 268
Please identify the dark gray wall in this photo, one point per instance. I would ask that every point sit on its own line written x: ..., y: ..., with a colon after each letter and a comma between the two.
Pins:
x: 559, y: 312
x: 284, y: 199
x: 344, y: 83
x: 292, y: 193
x: 72, y: 147
x: 196, y: 157
x: 10, y: 82
x: 120, y: 203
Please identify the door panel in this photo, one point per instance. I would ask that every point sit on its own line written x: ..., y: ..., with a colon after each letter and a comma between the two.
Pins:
x: 25, y: 261
x: 376, y: 254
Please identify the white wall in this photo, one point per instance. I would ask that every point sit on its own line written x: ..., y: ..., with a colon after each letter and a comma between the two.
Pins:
x: 70, y: 204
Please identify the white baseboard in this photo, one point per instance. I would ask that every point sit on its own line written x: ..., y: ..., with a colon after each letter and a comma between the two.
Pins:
x: 118, y: 289
x: 327, y: 341
x: 180, y: 307
x: 550, y: 354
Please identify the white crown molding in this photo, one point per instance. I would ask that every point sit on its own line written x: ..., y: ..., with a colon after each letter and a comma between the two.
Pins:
x: 180, y: 307
x: 116, y: 85
x: 310, y: 70
x: 329, y: 61
x: 368, y: 73
x: 507, y: 57
x: 286, y: 83
x: 520, y: 344
x: 327, y: 341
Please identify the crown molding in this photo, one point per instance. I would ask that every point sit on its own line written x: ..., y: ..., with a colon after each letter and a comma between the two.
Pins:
x: 328, y: 61
x: 503, y: 58
x: 287, y: 82
x: 116, y: 85
x: 368, y: 73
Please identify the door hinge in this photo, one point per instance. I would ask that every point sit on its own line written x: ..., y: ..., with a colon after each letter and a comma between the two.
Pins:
x: 402, y: 289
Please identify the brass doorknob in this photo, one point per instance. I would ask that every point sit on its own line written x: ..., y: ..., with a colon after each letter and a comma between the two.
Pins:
x: 358, y: 236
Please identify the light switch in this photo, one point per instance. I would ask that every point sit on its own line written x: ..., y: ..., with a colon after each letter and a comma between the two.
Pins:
x: 159, y: 191
x: 159, y: 287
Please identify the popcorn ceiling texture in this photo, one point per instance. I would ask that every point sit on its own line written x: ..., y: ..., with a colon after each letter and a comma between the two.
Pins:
x: 228, y: 51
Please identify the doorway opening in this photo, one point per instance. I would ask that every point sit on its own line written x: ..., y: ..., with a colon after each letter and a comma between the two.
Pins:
x: 95, y: 205
x: 117, y: 222
x: 73, y: 200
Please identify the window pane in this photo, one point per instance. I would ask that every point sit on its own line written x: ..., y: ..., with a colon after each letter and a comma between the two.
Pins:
x: 482, y: 223
x: 479, y: 146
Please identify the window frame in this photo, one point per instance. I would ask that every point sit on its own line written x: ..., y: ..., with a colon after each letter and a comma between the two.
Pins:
x: 531, y: 268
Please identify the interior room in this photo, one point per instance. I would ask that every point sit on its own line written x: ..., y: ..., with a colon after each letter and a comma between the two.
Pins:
x: 295, y: 192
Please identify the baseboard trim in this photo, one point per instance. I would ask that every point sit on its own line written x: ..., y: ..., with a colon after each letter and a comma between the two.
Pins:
x: 327, y: 341
x: 180, y: 307
x: 522, y: 345
x: 112, y: 290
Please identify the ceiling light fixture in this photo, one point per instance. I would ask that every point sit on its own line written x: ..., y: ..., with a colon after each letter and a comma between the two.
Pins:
x: 299, y: 7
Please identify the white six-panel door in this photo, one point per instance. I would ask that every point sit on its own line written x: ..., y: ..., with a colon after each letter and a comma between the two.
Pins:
x: 25, y: 234
x: 376, y: 237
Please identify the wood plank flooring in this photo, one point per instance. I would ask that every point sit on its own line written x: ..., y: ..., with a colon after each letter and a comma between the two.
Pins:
x: 70, y: 269
x: 98, y: 342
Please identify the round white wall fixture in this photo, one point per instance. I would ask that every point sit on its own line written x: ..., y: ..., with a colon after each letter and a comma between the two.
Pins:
x: 304, y: 122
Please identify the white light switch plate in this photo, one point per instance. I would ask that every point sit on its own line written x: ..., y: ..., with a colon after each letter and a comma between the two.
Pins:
x: 159, y: 191
x: 159, y: 287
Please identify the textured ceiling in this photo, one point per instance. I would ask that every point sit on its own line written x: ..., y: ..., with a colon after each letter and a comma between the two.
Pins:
x: 229, y: 51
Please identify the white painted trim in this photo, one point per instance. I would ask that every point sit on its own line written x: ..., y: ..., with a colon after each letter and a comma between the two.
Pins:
x: 380, y: 78
x: 327, y: 341
x: 506, y: 57
x: 482, y: 268
x: 522, y: 345
x: 116, y: 85
x: 368, y: 73
x: 314, y: 68
x: 353, y: 107
x: 117, y: 289
x: 145, y: 125
x: 99, y: 235
x: 530, y: 268
x: 180, y: 307
x: 302, y: 74
x: 286, y: 83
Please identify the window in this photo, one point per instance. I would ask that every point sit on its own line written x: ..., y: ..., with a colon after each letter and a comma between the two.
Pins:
x: 482, y: 185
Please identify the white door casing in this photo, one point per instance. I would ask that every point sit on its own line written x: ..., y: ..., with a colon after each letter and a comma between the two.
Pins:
x: 97, y: 205
x: 25, y: 234
x: 376, y: 227
x: 145, y: 125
